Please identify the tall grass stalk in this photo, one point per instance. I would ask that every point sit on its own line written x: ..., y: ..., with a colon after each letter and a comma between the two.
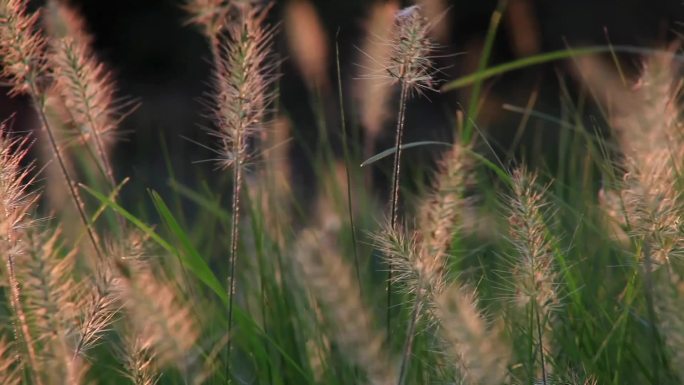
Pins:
x: 16, y: 202
x: 244, y: 93
x: 23, y: 50
x: 409, y: 65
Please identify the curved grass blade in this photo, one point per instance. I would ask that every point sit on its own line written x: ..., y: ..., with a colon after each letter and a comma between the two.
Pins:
x: 191, y: 260
x: 549, y: 57
x: 392, y: 150
x: 522, y: 63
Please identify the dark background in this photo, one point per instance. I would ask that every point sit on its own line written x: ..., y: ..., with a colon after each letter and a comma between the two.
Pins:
x: 163, y: 63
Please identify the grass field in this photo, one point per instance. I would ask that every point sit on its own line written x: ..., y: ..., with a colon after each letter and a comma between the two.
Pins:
x: 475, y: 270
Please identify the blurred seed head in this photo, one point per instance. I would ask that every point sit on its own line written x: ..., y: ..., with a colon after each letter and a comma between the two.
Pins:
x: 332, y: 282
x: 210, y: 15
x: 481, y: 354
x: 373, y: 91
x: 308, y: 42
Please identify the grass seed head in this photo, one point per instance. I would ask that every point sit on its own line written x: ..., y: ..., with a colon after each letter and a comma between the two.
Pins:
x: 482, y: 355
x: 244, y: 83
x: 332, y: 282
x: 410, y: 62
x: 534, y: 271
x: 22, y: 47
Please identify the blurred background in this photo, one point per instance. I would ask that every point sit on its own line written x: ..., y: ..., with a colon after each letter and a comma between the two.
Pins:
x: 163, y: 63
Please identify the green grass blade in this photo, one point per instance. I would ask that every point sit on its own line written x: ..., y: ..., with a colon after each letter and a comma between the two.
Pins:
x: 482, y: 65
x: 391, y: 151
x: 500, y: 172
x: 203, y: 202
x: 193, y: 262
x: 190, y: 257
x: 518, y: 64
x: 547, y: 57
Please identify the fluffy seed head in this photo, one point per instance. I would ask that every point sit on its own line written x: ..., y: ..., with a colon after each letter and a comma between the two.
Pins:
x: 651, y: 138
x: 15, y: 199
x: 244, y: 84
x: 21, y: 45
x: 534, y: 272
x: 482, y: 355
x: 333, y: 284
x: 440, y: 215
x: 85, y: 84
x: 668, y: 300
x: 307, y: 40
x: 51, y: 294
x: 210, y: 15
x: 410, y: 60
x: 99, y: 305
x: 159, y: 316
x: 138, y: 358
x: 413, y: 270
x: 374, y: 91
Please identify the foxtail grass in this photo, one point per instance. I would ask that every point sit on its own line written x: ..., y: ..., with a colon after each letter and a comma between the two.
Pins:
x: 86, y: 86
x: 481, y: 353
x: 333, y: 284
x: 244, y: 95
x: 23, y: 48
x: 409, y: 65
x: 16, y: 204
x: 420, y: 257
x: 535, y: 278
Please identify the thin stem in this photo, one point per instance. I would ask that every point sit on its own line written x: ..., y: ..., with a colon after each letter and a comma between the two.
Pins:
x: 345, y: 150
x: 541, y: 344
x: 410, y: 337
x: 106, y: 163
x: 473, y: 103
x: 63, y: 168
x: 237, y: 184
x: 650, y: 307
x: 394, y: 199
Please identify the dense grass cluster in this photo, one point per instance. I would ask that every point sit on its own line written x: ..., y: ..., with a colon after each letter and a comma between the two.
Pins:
x: 491, y: 273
